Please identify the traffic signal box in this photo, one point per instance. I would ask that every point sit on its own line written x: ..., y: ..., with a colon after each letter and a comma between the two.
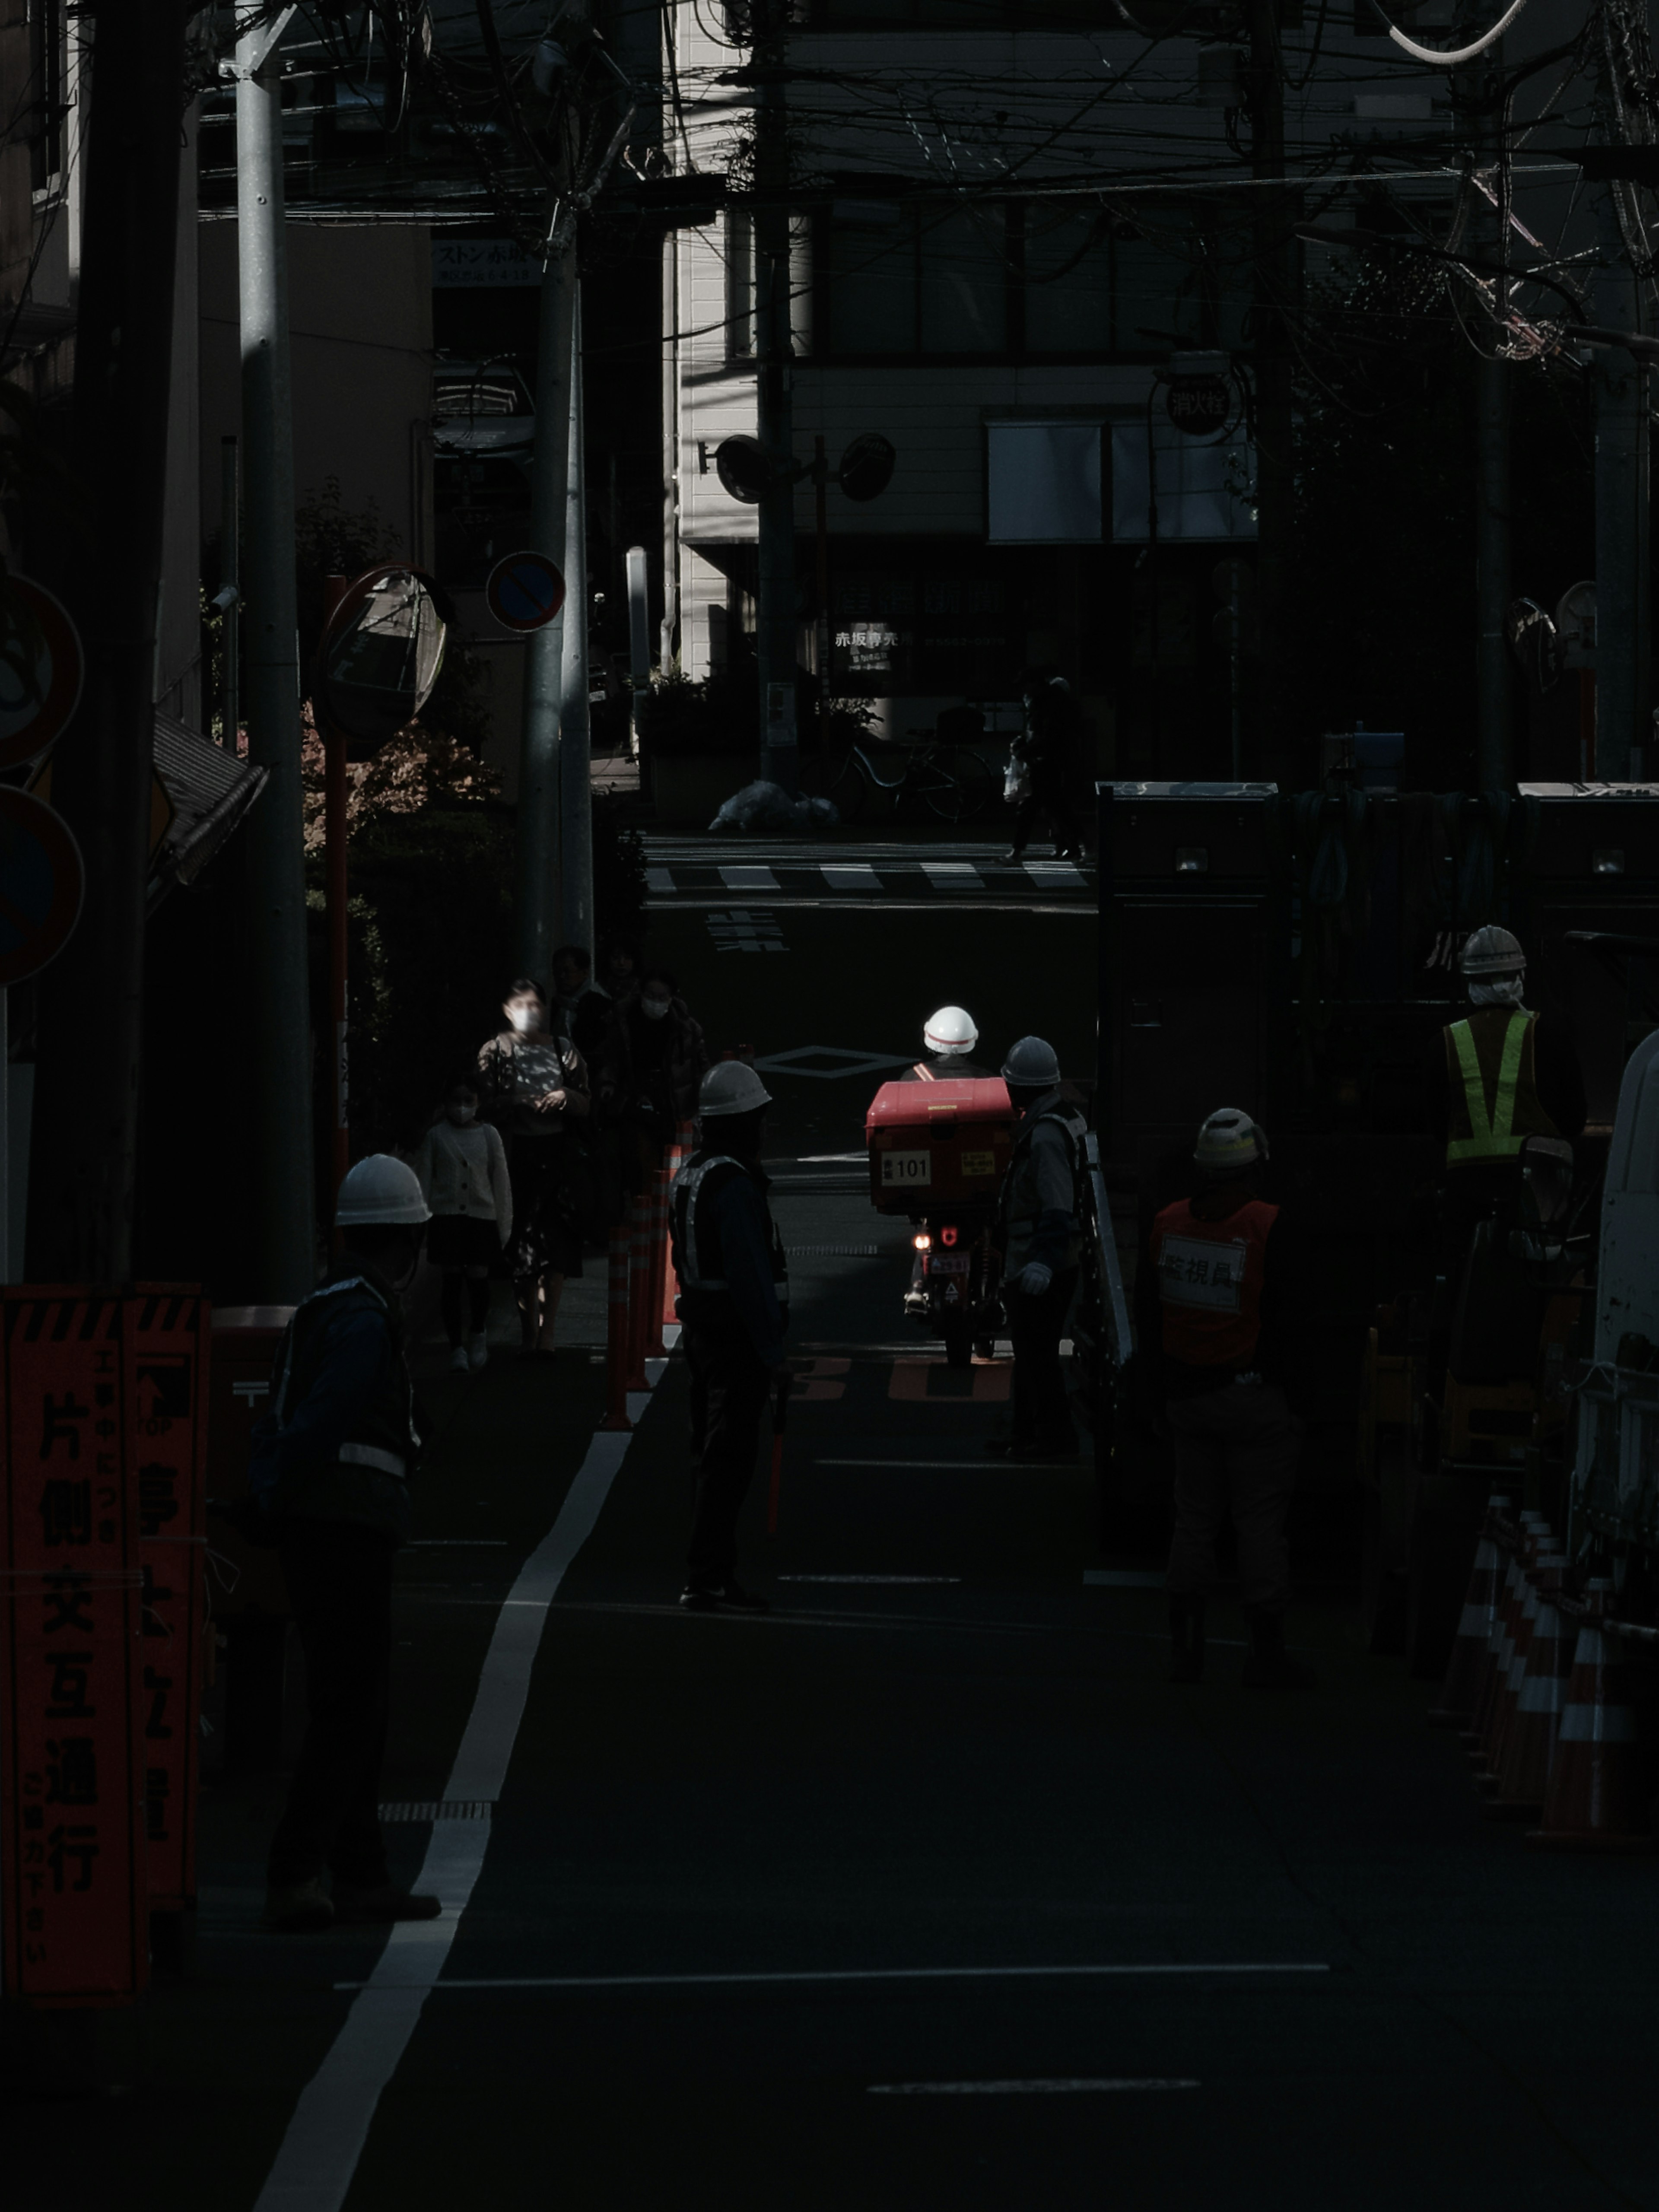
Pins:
x: 935, y: 1145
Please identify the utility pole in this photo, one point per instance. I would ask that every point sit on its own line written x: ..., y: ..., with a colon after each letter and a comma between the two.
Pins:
x: 538, y: 819
x: 86, y: 1113
x: 1623, y: 628
x: 279, y: 1087
x: 775, y: 622
x: 1482, y: 89
x: 575, y: 763
x: 1275, y: 254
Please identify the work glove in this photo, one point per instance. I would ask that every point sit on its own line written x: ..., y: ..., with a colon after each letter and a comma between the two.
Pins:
x: 1033, y: 1280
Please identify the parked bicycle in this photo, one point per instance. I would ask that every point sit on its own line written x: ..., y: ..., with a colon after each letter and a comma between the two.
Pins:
x: 948, y: 780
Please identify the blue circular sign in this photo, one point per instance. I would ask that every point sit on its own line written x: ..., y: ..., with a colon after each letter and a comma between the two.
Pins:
x: 41, y: 884
x: 524, y: 590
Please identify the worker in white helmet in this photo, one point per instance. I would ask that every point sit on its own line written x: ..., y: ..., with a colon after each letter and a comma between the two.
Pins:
x: 948, y: 1038
x: 733, y: 1307
x: 331, y: 1466
x: 1217, y: 1291
x: 1500, y: 1075
x: 1037, y: 1233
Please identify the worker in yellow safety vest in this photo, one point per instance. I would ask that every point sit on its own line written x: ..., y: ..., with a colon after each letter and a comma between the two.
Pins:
x: 1499, y: 1076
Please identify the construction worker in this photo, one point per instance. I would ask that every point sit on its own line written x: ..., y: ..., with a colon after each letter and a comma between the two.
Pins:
x: 331, y: 1469
x: 1213, y: 1290
x: 1037, y: 1234
x: 1498, y: 1077
x: 947, y: 1037
x: 733, y: 1307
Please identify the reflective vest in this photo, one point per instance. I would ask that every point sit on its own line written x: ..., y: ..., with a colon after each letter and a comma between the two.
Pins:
x: 1210, y: 1280
x: 697, y: 1261
x: 1495, y: 1105
x: 1019, y: 1203
x: 369, y: 1478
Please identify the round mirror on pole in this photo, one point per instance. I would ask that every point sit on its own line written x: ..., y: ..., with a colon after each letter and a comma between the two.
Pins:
x: 381, y: 654
x: 745, y: 472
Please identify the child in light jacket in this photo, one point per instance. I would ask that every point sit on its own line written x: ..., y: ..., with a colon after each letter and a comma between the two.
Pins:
x: 462, y: 1165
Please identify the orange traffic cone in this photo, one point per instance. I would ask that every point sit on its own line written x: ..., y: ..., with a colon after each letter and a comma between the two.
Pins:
x: 1470, y: 1656
x: 1509, y: 1689
x: 1599, y: 1795
x: 1523, y: 1777
x: 1489, y: 1717
x: 678, y: 1152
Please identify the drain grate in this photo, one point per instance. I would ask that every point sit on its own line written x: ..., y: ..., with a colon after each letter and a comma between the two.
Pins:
x: 446, y: 1808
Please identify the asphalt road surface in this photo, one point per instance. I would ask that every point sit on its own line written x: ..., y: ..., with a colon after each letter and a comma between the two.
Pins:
x: 925, y: 1890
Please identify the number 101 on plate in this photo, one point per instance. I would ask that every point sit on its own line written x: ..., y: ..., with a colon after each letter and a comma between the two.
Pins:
x: 908, y: 1169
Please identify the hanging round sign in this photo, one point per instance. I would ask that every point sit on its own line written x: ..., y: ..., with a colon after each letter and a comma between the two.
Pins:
x: 41, y: 665
x: 1198, y: 405
x: 42, y: 881
x: 524, y: 590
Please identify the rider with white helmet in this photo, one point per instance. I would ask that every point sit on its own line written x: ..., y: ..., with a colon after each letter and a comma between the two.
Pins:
x: 948, y: 1037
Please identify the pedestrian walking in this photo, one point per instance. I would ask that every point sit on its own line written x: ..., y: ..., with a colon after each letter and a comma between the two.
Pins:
x: 585, y: 1007
x: 462, y: 1165
x: 619, y: 967
x: 1051, y: 747
x: 535, y: 1089
x: 331, y: 1470
x: 648, y: 1072
x: 733, y: 1306
x: 1037, y: 1234
x: 1223, y: 1291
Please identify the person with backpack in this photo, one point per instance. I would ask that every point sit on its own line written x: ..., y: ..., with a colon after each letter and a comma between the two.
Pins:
x: 733, y: 1306
x: 1038, y: 1235
x: 330, y: 1475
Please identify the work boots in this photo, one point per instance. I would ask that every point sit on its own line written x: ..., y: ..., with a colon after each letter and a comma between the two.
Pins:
x: 1269, y: 1666
x: 1185, y: 1638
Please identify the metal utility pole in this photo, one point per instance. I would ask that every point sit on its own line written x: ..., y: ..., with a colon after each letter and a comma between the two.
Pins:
x: 1274, y: 255
x: 775, y: 622
x: 85, y: 1117
x: 1483, y: 90
x: 538, y: 819
x: 1623, y: 626
x: 229, y: 599
x: 280, y: 1071
x: 575, y: 744
x: 671, y: 448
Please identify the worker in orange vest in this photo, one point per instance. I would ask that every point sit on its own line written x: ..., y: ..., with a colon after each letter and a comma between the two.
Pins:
x: 1216, y: 1282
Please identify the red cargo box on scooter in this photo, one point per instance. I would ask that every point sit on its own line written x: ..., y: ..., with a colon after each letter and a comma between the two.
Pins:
x: 933, y: 1145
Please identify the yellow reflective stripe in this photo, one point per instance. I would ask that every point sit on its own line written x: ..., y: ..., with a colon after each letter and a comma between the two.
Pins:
x: 1491, y: 1138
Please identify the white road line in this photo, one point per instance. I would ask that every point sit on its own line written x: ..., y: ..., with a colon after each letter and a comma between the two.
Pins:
x: 837, y: 1975
x: 851, y: 876
x: 1046, y: 874
x: 658, y: 879
x: 749, y: 879
x: 319, y: 2155
x: 1124, y: 1577
x: 1062, y: 2088
x: 953, y: 875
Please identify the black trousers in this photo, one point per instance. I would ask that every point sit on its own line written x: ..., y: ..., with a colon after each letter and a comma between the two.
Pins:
x: 729, y: 1391
x: 339, y: 1583
x: 1042, y: 1415
x: 1054, y: 796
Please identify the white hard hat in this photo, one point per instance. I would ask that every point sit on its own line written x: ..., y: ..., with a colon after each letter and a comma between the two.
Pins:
x: 1031, y: 1063
x: 380, y: 1189
x: 731, y: 1086
x: 1230, y: 1141
x: 1493, y: 951
x: 951, y: 1029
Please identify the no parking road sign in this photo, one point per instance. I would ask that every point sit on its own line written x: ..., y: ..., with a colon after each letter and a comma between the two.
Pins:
x: 524, y: 590
x: 41, y: 885
x: 41, y: 665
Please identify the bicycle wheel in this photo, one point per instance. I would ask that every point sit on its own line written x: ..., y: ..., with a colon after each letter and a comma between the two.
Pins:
x: 978, y: 783
x: 848, y: 789
x: 938, y: 791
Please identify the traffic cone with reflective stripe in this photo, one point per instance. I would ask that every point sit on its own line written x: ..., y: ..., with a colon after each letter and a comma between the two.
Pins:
x: 1600, y: 1794
x: 678, y: 1152
x: 1522, y: 1776
x: 1489, y: 1715
x: 1509, y: 1689
x: 1471, y: 1653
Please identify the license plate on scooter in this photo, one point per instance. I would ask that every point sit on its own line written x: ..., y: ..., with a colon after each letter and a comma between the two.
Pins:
x: 953, y: 1263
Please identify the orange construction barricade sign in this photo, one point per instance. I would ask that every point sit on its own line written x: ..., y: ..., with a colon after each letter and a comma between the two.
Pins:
x: 73, y: 1905
x: 167, y: 1347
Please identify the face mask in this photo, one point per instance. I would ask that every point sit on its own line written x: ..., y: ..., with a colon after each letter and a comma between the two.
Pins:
x: 526, y: 1020
x: 654, y: 1009
x: 460, y: 1115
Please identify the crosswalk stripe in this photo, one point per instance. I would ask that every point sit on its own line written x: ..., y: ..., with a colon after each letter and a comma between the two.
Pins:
x: 749, y: 879
x: 851, y: 876
x: 658, y: 879
x: 1050, y: 872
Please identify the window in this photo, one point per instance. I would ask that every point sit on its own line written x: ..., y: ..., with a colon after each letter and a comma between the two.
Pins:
x: 739, y: 284
x: 1203, y: 490
x: 1043, y: 484
x: 907, y: 279
x: 46, y: 99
